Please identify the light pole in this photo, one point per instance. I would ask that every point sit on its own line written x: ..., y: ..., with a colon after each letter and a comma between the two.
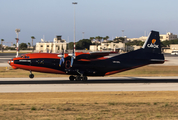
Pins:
x: 74, y: 3
x: 32, y: 37
x: 17, y: 32
x: 83, y: 35
x: 122, y: 33
x: 2, y: 44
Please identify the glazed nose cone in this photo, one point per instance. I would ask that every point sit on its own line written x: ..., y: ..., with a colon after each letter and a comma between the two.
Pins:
x: 11, y: 63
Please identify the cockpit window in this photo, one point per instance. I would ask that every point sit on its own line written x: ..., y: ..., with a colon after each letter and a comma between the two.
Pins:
x: 24, y: 56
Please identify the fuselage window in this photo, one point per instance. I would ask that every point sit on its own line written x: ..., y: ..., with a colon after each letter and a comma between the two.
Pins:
x: 27, y: 57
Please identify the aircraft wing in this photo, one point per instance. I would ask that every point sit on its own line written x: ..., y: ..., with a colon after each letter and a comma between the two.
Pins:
x: 101, y: 53
x: 94, y: 56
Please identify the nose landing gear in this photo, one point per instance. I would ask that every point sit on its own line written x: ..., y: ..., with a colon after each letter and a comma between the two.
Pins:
x: 31, y: 75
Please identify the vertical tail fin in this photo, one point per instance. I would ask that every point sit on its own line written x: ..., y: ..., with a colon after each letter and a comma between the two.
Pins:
x: 152, y: 44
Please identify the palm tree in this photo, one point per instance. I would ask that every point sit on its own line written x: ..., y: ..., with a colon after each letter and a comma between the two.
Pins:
x: 98, y: 39
x: 106, y: 38
x: 2, y: 44
x: 32, y: 37
x: 28, y: 44
x: 91, y: 38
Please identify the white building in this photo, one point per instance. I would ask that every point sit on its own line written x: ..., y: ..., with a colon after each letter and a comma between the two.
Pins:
x: 53, y: 47
x: 93, y: 47
x: 172, y: 47
x: 168, y: 36
x: 163, y: 37
x: 108, y: 46
x: 142, y: 38
x: 125, y: 38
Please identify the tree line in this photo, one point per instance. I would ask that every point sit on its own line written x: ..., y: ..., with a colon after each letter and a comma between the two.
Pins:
x: 85, y: 43
x: 22, y: 46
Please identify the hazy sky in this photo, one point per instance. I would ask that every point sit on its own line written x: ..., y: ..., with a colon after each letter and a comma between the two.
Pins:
x: 94, y: 17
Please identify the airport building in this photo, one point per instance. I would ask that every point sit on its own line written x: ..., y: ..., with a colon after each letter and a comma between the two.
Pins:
x: 163, y: 37
x: 172, y: 47
x: 108, y: 46
x: 56, y: 46
x: 168, y: 36
x: 142, y: 38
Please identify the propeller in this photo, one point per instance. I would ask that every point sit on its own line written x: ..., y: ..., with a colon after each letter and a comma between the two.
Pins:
x: 72, y: 59
x: 62, y: 58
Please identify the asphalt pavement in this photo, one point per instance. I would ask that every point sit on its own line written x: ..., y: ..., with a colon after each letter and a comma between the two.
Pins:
x: 93, y: 84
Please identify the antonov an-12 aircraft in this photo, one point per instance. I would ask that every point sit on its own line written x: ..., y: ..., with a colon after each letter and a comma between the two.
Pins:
x: 79, y: 65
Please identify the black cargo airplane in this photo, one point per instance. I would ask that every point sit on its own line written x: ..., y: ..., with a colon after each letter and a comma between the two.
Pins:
x: 80, y: 65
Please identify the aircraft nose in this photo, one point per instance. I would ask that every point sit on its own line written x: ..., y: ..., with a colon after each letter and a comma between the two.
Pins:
x: 10, y: 61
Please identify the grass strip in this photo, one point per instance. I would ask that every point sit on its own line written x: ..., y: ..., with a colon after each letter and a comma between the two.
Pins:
x: 89, y: 105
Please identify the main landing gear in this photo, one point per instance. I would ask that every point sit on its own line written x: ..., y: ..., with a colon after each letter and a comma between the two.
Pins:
x: 31, y: 75
x: 78, y: 78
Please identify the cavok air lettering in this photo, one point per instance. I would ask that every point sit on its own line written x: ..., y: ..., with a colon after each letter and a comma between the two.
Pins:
x: 153, y: 45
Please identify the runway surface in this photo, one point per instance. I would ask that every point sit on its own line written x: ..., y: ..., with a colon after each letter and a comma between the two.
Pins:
x: 94, y: 84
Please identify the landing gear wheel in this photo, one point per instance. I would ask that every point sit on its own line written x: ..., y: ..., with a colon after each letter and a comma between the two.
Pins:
x: 84, y: 78
x: 71, y: 78
x: 78, y: 78
x: 31, y: 76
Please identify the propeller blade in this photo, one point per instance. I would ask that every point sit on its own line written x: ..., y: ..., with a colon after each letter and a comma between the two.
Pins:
x: 61, y: 61
x: 62, y: 58
x: 72, y: 58
x: 73, y: 54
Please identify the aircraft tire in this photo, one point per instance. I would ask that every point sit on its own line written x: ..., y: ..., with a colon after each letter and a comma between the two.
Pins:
x: 31, y: 76
x: 78, y: 78
x: 71, y: 78
x: 84, y: 78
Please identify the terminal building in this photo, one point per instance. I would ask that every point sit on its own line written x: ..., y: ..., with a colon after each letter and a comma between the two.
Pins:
x: 56, y: 46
